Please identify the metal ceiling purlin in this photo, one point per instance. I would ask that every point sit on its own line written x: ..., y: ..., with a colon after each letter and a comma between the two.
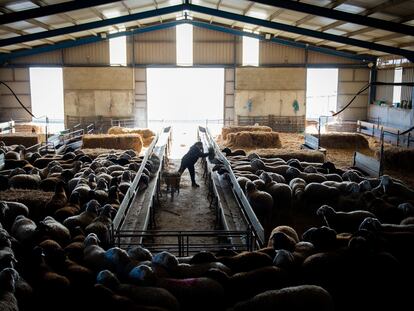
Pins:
x: 93, y: 25
x: 367, y: 58
x: 302, y: 31
x: 340, y: 15
x: 50, y: 10
x: 165, y: 25
x: 87, y: 40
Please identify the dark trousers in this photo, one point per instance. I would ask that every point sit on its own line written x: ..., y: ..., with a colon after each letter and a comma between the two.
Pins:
x: 191, y: 170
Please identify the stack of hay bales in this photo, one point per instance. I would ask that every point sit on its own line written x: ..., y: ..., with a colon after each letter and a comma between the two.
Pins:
x: 109, y: 141
x: 343, y: 141
x: 397, y: 158
x: 250, y: 137
x: 146, y: 134
x: 25, y: 139
x: 249, y: 140
x: 28, y: 128
x: 235, y: 129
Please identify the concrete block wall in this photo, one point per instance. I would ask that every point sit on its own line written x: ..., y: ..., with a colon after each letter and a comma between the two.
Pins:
x: 271, y: 90
x: 140, y: 107
x: 350, y: 82
x: 18, y: 79
x: 99, y: 91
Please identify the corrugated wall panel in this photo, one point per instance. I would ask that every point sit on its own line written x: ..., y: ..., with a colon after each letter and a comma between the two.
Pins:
x: 385, y: 92
x: 53, y: 58
x: 213, y: 53
x: 320, y: 58
x: 407, y: 91
x: 212, y: 47
x: 202, y: 34
x: 272, y: 53
x: 156, y: 47
x: 94, y: 54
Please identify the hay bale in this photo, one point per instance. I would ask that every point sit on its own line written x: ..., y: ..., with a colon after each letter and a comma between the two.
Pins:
x: 147, y: 141
x: 144, y: 132
x: 301, y: 155
x: 108, y: 141
x: 28, y: 128
x: 343, y: 141
x: 253, y: 140
x: 397, y: 158
x: 25, y: 139
x: 235, y: 129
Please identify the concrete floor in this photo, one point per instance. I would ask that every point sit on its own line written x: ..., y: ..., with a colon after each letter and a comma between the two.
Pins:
x: 189, y: 210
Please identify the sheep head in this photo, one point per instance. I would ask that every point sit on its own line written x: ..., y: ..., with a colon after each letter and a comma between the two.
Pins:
x: 370, y: 224
x: 257, y: 164
x: 5, y: 238
x: 108, y: 279
x: 407, y: 208
x: 325, y: 210
x: 329, y: 166
x: 266, y: 178
x: 165, y: 260
x: 8, y: 279
x: 364, y: 186
x: 142, y: 274
x: 253, y: 155
x: 93, y: 206
x: 250, y: 187
x: 91, y: 239
x: 139, y: 253
x: 226, y: 150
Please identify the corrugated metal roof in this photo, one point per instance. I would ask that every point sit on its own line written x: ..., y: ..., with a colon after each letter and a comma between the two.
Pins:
x: 397, y: 11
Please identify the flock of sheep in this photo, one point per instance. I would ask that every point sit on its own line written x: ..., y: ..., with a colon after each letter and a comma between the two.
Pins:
x: 42, y: 245
x: 338, y: 240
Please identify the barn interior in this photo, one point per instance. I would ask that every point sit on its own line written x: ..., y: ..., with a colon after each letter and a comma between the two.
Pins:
x: 295, y: 117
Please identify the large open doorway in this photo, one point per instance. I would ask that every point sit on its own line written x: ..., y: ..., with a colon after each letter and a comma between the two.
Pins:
x: 185, y: 98
x: 46, y: 87
x: 321, y: 92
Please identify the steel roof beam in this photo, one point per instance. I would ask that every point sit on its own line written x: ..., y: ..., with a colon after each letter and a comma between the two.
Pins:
x: 165, y: 25
x: 92, y: 25
x: 50, y: 10
x: 302, y: 31
x: 340, y: 15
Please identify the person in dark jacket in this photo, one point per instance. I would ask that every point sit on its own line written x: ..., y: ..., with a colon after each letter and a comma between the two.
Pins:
x: 190, y: 158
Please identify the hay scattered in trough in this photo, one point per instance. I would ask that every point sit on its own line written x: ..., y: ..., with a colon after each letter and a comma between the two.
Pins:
x: 108, y: 141
x: 235, y: 129
x: 25, y: 139
x: 301, y: 155
x: 343, y: 140
x: 253, y: 140
x: 397, y: 158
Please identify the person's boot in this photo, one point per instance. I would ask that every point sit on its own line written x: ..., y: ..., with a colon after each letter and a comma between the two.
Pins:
x: 194, y: 184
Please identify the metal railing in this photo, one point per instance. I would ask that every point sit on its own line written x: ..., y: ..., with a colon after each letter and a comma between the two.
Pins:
x: 130, y: 195
x: 257, y: 227
x: 386, y: 134
x: 185, y: 243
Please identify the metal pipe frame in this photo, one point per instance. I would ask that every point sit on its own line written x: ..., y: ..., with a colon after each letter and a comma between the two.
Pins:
x: 340, y: 15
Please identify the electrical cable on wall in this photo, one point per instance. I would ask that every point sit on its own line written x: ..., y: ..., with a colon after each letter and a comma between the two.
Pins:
x: 365, y: 87
x: 18, y: 100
